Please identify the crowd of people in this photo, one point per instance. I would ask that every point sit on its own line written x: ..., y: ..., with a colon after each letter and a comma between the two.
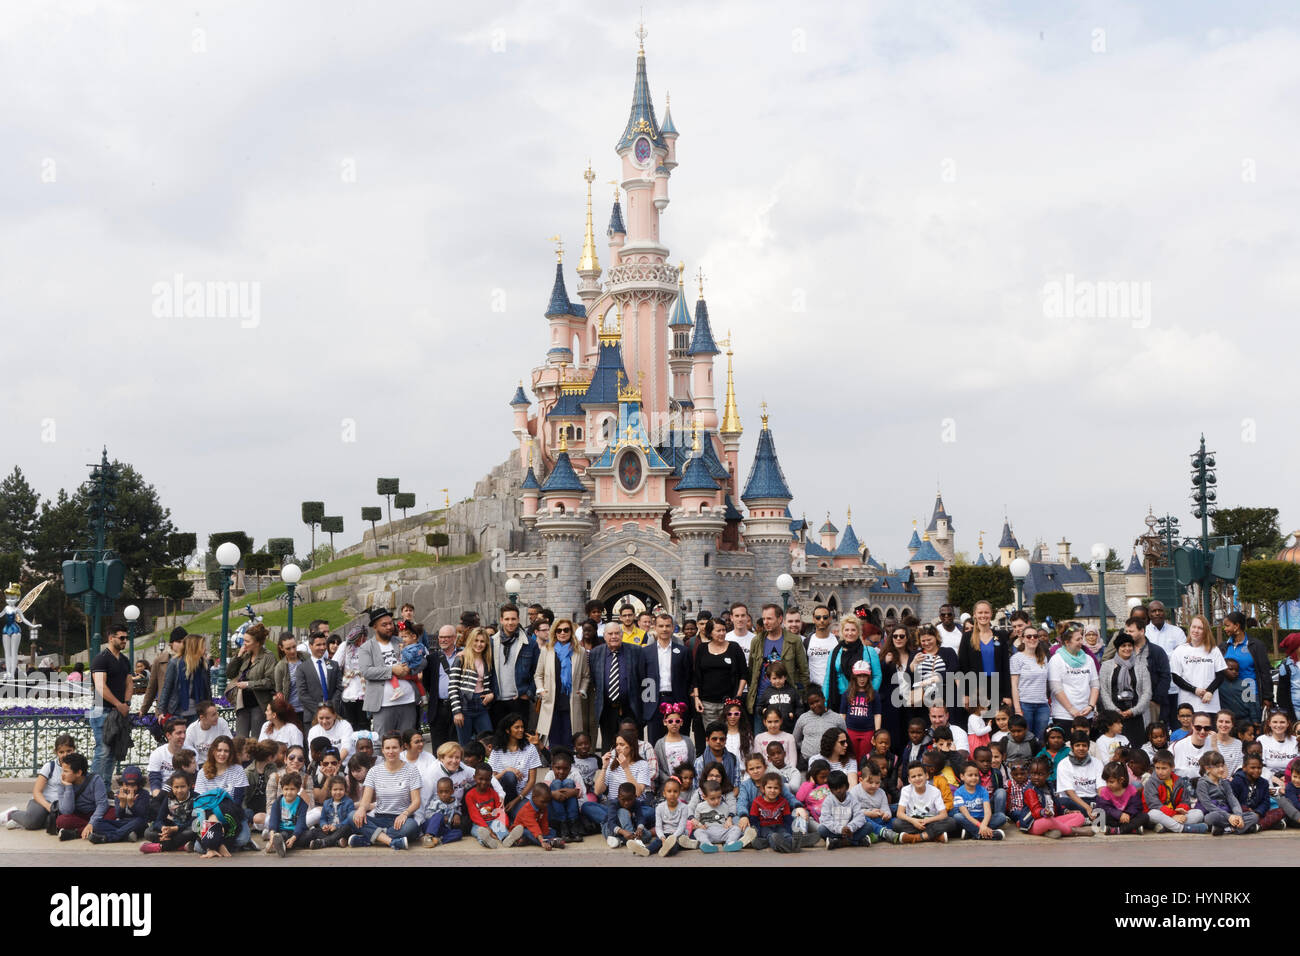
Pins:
x: 656, y: 736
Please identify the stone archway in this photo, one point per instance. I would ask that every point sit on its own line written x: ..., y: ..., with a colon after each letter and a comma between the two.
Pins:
x: 641, y: 587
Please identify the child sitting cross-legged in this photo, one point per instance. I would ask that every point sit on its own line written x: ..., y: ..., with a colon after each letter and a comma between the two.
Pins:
x: 1166, y: 800
x: 621, y: 824
x: 130, y: 813
x: 1214, y: 796
x: 715, y: 827
x: 1042, y: 815
x: 972, y: 810
x: 532, y: 822
x: 843, y: 822
x: 922, y: 815
x: 1119, y: 801
x: 286, y: 819
x: 873, y: 798
x: 173, y: 828
x: 771, y: 814
x: 671, y: 819
x: 335, y: 824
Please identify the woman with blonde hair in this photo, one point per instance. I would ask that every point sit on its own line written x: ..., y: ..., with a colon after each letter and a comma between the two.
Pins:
x: 187, y: 680
x: 472, y: 686
x: 1197, y: 668
x: 251, y: 675
x: 983, y: 662
x: 563, y: 684
x: 839, y: 666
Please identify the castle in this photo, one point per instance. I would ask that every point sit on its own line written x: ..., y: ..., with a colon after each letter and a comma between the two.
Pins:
x: 631, y: 456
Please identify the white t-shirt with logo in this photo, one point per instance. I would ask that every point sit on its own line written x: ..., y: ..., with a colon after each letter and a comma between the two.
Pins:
x: 1198, y: 668
x: 1077, y: 682
x: 819, y: 654
x: 950, y: 639
x: 743, y: 642
x: 200, y: 740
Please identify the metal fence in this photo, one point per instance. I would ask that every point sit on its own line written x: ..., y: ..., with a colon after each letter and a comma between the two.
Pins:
x: 27, y: 742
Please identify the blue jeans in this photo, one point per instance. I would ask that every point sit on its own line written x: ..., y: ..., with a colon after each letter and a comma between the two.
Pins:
x: 564, y: 811
x: 655, y: 844
x: 996, y: 821
x: 384, y: 822
x: 114, y: 831
x: 439, y: 825
x: 496, y: 829
x: 598, y: 812
x: 477, y: 719
x: 1065, y: 805
x: 1037, y: 716
x: 102, y: 761
x: 617, y: 819
x: 874, y: 825
x: 860, y: 836
x: 529, y: 839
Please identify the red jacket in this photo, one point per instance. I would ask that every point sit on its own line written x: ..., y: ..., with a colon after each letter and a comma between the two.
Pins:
x: 1169, y: 794
x: 534, y: 820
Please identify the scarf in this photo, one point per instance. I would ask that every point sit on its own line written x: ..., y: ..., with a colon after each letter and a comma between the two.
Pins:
x: 1078, y: 762
x: 508, y: 639
x: 1124, y: 674
x: 564, y: 656
x: 1074, y: 660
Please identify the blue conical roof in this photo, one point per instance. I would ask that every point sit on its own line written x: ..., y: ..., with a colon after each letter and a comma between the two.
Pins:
x: 696, y: 477
x: 915, y: 542
x: 530, y: 480
x: 563, y: 477
x: 766, y: 480
x: 559, y: 304
x: 981, y: 562
x: 1134, y: 565
x: 668, y: 126
x: 702, y: 341
x: 603, y: 389
x: 520, y: 398
x: 927, y: 553
x: 1008, y: 539
x: 849, y: 545
x: 641, y: 118
x: 616, y: 220
x: 939, y: 513
x: 681, y: 317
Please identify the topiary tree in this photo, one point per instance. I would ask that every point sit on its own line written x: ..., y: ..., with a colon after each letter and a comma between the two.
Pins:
x: 372, y: 515
x: 1058, y: 605
x: 404, y: 501
x: 332, y: 524
x: 279, y: 548
x: 388, y: 487
x: 312, y: 514
x: 176, y: 590
x: 436, y: 539
x: 1266, y: 584
x: 970, y: 583
x: 180, y: 546
x: 240, y: 539
x: 258, y: 564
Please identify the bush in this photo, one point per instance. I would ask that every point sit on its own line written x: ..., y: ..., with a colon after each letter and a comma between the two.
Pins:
x: 970, y: 583
x: 1058, y: 605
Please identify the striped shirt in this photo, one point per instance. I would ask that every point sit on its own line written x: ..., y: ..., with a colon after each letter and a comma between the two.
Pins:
x: 639, y: 772
x: 520, y: 761
x: 228, y: 780
x: 393, y: 788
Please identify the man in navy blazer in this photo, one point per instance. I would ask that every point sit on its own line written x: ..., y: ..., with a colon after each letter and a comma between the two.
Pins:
x: 612, y: 705
x: 310, y: 692
x: 667, y: 669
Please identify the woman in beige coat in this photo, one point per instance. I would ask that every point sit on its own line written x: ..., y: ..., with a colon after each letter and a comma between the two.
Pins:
x: 563, y: 683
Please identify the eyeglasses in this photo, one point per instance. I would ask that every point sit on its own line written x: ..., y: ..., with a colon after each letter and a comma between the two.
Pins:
x: 821, y: 617
x: 901, y: 635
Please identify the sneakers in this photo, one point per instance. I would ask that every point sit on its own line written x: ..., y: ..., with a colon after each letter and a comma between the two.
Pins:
x: 150, y: 847
x: 834, y: 843
x: 11, y: 824
x: 963, y: 834
x: 428, y: 840
x: 748, y: 837
x: 358, y: 840
x: 943, y: 837
x: 612, y: 842
x: 1054, y: 834
x: 6, y: 814
x: 1084, y: 831
x: 68, y: 833
x: 686, y: 843
x: 1160, y: 828
x: 1140, y: 830
x: 637, y: 847
x: 277, y: 844
x: 735, y: 846
x: 709, y: 848
x: 1255, y: 829
x: 489, y: 840
x: 999, y: 835
x: 669, y: 842
x: 893, y: 836
x: 872, y: 838
x: 399, y: 843
x: 133, y: 836
x: 1215, y: 830
x: 909, y: 838
x: 1098, y: 824
x: 1195, y: 828
x: 98, y: 838
x: 513, y: 837
x: 316, y: 845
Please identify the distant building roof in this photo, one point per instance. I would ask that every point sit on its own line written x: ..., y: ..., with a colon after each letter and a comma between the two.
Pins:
x: 604, y: 385
x: 849, y: 547
x: 939, y: 513
x: 696, y: 477
x: 927, y: 552
x: 766, y: 480
x: 702, y: 341
x: 1134, y: 565
x: 616, y: 220
x: 815, y: 550
x: 520, y: 398
x: 1008, y: 539
x: 560, y: 304
x: 915, y: 542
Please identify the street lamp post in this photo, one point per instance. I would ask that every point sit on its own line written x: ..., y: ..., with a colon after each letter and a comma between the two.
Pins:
x: 132, y: 614
x: 227, y: 559
x: 1099, y: 555
x: 784, y: 584
x: 291, y: 574
x: 1020, y: 571
x: 512, y: 589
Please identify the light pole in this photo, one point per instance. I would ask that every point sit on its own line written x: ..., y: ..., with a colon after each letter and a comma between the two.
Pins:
x: 132, y: 614
x: 1203, y: 506
x: 1099, y: 555
x: 784, y: 584
x: 512, y: 589
x: 227, y: 559
x: 1020, y: 571
x: 291, y: 574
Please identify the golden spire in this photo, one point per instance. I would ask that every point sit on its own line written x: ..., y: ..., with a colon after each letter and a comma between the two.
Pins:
x: 730, y: 414
x: 559, y: 246
x: 681, y: 273
x: 530, y: 454
x: 850, y: 517
x: 763, y: 406
x: 695, y: 435
x: 564, y: 439
x: 699, y: 274
x: 588, y: 261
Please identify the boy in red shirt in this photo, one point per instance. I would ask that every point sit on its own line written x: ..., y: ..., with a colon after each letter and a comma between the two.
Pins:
x: 486, y: 814
x: 771, y: 813
x: 532, y: 821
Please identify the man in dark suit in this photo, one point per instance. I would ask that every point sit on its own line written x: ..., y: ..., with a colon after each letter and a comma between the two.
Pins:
x: 667, y: 669
x: 616, y: 671
x: 437, y: 675
x: 321, y: 680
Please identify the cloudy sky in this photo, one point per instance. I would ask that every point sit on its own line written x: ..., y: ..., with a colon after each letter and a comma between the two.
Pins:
x: 890, y: 203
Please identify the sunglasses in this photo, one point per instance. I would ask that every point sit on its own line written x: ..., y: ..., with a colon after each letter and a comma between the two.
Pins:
x: 673, y: 720
x: 294, y: 757
x: 1201, y: 727
x: 564, y: 630
x: 821, y: 617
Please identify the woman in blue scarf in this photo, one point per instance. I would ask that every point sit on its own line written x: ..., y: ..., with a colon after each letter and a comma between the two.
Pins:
x: 563, y: 682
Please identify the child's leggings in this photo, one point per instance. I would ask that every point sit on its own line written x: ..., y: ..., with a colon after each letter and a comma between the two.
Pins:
x: 1166, y: 820
x: 336, y: 836
x: 1219, y: 818
x: 114, y: 831
x: 859, y: 836
x: 654, y: 845
x: 1286, y: 806
x: 716, y: 833
x: 860, y: 744
x: 1135, y: 821
x: 178, y: 840
x: 1065, y: 823
x: 779, y: 838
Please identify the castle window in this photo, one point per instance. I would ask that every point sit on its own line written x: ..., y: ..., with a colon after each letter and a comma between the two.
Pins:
x: 706, y: 559
x: 555, y: 573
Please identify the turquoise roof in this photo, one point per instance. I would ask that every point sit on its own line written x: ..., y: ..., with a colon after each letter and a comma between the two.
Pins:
x: 603, y: 388
x: 520, y: 398
x: 681, y: 317
x: 702, y: 341
x: 915, y: 542
x: 629, y: 415
x: 927, y: 553
x: 829, y: 528
x: 939, y: 513
x: 849, y: 545
x: 696, y: 477
x: 766, y: 480
x: 563, y: 477
x: 560, y: 304
x: 641, y: 120
x: 530, y: 480
x: 616, y: 220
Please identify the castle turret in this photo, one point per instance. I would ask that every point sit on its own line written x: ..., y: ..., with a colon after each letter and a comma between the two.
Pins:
x: 767, y: 529
x: 564, y: 528
x: 1007, y: 545
x: 679, y: 328
x: 532, y: 491
x: 849, y: 553
x: 730, y: 429
x: 588, y: 263
x: 828, y: 534
x: 701, y: 351
x: 617, y: 231
x: 697, y: 525
x: 930, y: 577
x: 520, y: 405
x: 914, y: 544
x: 1135, y: 578
x: 940, y: 529
x: 669, y: 133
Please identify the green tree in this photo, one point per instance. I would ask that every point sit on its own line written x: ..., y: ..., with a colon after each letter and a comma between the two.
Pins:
x: 436, y: 539
x: 19, y: 510
x: 1113, y: 563
x: 60, y: 530
x: 312, y: 513
x: 332, y: 525
x: 1058, y: 605
x: 280, y: 548
x: 372, y: 515
x: 388, y: 487
x: 1255, y: 529
x: 1266, y: 584
x: 257, y: 564
x: 239, y: 538
x: 969, y: 583
x: 140, y: 528
x: 181, y: 547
